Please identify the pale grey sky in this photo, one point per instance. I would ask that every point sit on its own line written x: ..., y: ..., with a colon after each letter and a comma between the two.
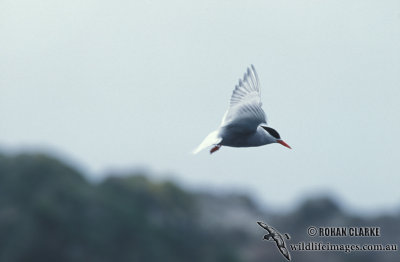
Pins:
x: 121, y: 84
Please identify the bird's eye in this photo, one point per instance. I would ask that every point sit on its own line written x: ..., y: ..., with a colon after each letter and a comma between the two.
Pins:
x: 272, y: 132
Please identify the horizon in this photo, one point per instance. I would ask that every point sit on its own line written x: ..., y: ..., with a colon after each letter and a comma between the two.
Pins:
x: 217, y: 190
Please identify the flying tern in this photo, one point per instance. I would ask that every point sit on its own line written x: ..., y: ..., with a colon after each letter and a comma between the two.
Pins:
x: 244, y: 123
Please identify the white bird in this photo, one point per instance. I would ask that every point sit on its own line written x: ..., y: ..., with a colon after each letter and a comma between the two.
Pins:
x: 244, y: 123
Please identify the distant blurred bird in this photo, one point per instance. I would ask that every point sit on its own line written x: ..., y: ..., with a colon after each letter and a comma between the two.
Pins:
x: 244, y: 123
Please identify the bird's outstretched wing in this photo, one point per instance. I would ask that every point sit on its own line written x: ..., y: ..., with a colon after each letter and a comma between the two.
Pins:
x: 245, y: 113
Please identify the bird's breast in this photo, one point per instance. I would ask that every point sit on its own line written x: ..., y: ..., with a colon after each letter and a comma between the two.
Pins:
x: 239, y: 139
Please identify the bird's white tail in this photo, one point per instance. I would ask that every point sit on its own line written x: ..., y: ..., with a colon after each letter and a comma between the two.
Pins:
x: 211, y: 139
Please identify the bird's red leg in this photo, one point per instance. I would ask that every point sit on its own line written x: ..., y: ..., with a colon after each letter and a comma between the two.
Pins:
x: 215, y: 148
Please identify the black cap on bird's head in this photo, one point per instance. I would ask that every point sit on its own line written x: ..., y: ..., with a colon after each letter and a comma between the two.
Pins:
x: 272, y: 132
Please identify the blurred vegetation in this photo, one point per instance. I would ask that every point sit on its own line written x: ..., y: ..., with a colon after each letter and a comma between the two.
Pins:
x: 50, y: 212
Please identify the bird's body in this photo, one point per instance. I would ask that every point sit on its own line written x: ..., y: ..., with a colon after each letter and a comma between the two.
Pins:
x: 233, y: 137
x: 244, y: 123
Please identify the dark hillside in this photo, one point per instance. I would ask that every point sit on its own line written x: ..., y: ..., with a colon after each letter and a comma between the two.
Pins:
x: 50, y: 212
